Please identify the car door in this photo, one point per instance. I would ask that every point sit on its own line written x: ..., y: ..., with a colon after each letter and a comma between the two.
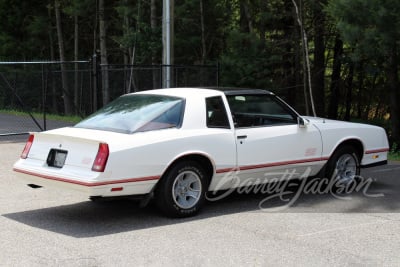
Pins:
x: 270, y: 142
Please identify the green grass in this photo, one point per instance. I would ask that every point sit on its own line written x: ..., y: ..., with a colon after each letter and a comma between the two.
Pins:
x: 394, y: 156
x: 394, y: 153
x: 72, y: 119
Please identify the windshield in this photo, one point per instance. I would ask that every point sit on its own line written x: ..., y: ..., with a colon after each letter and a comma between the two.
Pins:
x: 137, y: 113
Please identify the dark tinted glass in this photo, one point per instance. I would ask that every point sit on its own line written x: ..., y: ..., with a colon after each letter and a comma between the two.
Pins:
x: 216, y: 113
x: 259, y: 110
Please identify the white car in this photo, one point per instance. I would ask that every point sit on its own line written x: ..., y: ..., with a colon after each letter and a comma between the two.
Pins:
x: 177, y: 144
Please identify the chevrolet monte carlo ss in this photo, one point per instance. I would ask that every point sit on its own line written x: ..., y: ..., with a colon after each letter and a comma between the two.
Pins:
x: 177, y: 144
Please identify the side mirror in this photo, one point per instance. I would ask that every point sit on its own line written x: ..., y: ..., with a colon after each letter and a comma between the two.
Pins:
x: 302, y: 122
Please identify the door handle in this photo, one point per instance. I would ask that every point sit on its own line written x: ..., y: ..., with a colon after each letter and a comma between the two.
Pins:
x: 241, y: 136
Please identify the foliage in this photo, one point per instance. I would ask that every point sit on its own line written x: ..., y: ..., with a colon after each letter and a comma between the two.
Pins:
x: 372, y: 29
x: 394, y: 153
x: 252, y: 70
x: 370, y: 26
x: 257, y: 43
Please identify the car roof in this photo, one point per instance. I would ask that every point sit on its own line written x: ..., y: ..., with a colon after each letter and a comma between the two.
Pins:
x: 183, y: 92
x: 242, y: 91
x: 208, y: 91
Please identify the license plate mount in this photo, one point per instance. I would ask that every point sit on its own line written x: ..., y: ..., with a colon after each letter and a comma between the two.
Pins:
x: 56, y: 158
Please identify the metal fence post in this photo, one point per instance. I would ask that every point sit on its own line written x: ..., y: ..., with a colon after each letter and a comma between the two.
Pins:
x: 44, y: 97
x: 217, y: 73
x: 94, y: 77
x: 161, y: 75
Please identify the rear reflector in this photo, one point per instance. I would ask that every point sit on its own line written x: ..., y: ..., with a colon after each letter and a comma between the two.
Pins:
x: 100, y: 161
x: 27, y: 147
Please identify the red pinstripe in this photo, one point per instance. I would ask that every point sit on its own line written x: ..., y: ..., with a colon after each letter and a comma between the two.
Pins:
x: 130, y: 180
x: 150, y: 178
x: 274, y: 164
x: 377, y: 150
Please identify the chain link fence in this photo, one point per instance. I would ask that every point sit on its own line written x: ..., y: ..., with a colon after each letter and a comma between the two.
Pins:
x: 31, y: 93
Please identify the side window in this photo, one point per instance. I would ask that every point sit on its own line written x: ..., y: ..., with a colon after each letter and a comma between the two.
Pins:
x: 260, y: 110
x: 216, y: 113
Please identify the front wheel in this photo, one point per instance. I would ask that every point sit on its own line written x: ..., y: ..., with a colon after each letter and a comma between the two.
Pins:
x: 181, y: 192
x: 344, y: 166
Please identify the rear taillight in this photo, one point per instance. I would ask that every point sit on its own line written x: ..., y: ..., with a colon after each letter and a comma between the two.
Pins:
x: 27, y: 147
x: 100, y: 161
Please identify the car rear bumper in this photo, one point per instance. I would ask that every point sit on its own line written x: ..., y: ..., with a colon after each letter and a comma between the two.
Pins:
x: 110, y: 188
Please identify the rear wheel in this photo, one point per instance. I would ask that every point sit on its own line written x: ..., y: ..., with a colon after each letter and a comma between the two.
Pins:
x: 181, y: 191
x: 344, y: 166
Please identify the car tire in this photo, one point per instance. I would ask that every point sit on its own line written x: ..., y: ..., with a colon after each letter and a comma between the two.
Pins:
x: 181, y: 192
x: 343, y: 167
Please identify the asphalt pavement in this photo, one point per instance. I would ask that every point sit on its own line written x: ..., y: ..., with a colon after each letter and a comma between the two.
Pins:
x: 48, y: 227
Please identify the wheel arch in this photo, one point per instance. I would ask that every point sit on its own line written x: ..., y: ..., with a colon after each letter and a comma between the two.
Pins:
x: 201, y: 158
x: 353, y: 142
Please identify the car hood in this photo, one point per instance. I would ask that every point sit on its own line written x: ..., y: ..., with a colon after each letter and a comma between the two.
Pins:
x: 323, y: 121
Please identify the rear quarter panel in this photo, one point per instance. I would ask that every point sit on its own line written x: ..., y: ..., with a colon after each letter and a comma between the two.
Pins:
x: 151, y: 153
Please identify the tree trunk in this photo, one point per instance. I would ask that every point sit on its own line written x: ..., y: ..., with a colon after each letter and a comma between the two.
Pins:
x: 125, y: 51
x: 298, y: 75
x: 95, y: 60
x: 349, y: 95
x: 153, y: 25
x: 246, y: 24
x: 360, y: 102
x: 64, y: 77
x: 289, y: 57
x: 372, y: 98
x: 393, y: 84
x: 306, y: 61
x: 203, y: 38
x: 319, y: 59
x: 335, y: 79
x: 76, y: 58
x: 103, y: 53
x: 52, y: 58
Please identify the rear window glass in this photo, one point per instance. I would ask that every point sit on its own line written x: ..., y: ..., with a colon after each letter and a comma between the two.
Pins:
x: 137, y: 113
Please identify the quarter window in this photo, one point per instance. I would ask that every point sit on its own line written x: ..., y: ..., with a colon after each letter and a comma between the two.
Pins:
x: 216, y: 113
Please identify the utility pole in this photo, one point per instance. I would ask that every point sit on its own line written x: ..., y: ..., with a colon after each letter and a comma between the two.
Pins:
x: 168, y: 41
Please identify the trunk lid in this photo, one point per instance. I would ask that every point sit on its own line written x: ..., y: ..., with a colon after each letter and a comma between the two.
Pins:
x: 77, y: 148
